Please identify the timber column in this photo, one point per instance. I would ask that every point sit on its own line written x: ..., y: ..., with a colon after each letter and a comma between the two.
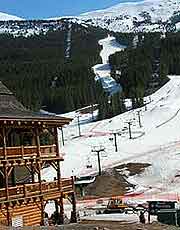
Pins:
x: 73, y: 213
x: 39, y: 174
x: 61, y: 204
x: 8, y: 216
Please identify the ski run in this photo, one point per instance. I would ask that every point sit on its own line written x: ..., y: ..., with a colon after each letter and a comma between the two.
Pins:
x: 155, y: 138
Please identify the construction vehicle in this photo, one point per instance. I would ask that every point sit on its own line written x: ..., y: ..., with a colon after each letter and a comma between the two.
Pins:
x: 115, y: 205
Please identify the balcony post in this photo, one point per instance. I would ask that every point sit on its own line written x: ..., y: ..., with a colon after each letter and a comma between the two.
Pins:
x: 22, y: 151
x: 73, y: 213
x: 32, y: 173
x: 38, y: 143
x: 39, y: 177
x: 8, y: 216
x: 4, y: 143
x: 39, y: 155
x: 5, y: 165
x: 42, y: 211
x: 58, y: 161
x: 56, y: 141
x: 61, y: 204
x: 25, y: 190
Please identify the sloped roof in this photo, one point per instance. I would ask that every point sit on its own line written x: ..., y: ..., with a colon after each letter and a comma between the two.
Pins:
x: 12, y: 109
x: 4, y: 90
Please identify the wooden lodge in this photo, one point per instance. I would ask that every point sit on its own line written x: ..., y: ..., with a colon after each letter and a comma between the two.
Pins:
x: 28, y: 143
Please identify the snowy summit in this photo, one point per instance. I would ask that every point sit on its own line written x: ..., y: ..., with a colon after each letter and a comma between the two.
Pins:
x: 148, y: 15
x: 8, y: 17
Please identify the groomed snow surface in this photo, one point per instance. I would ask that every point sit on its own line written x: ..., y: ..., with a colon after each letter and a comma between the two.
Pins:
x: 102, y: 71
x: 157, y: 142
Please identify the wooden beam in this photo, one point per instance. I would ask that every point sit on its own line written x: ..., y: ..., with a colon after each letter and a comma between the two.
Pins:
x: 2, y: 173
x: 32, y: 173
x: 56, y: 141
x: 39, y: 177
x: 6, y: 180
x: 10, y: 170
x: 73, y: 214
x: 61, y: 215
x: 38, y: 142
x: 59, y: 176
x: 8, y: 216
x: 4, y: 143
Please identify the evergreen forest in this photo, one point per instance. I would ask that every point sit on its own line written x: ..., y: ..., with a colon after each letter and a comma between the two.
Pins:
x: 37, y: 70
x: 143, y: 68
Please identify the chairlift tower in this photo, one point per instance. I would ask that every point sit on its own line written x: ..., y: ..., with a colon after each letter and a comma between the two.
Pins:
x: 78, y: 122
x: 98, y: 149
x: 115, y: 133
x: 139, y: 118
x: 129, y: 126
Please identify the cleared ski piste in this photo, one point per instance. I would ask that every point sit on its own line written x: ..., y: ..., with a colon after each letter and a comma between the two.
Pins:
x: 157, y: 142
x: 159, y: 146
x: 102, y: 71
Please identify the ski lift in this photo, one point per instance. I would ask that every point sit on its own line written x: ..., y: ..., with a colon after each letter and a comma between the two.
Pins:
x: 104, y: 154
x: 88, y: 164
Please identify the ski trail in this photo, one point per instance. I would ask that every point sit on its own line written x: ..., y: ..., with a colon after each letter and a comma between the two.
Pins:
x: 103, y: 71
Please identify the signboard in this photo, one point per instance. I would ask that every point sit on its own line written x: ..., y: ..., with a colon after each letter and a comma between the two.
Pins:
x: 17, y: 221
x: 155, y: 206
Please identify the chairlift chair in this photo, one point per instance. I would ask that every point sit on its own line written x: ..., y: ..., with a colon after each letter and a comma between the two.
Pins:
x: 88, y: 164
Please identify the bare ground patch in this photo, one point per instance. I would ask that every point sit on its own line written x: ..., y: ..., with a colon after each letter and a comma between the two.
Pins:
x: 114, y: 182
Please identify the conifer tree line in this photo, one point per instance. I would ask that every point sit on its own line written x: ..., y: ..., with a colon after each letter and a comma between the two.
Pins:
x: 143, y: 69
x: 170, y: 54
x: 36, y: 70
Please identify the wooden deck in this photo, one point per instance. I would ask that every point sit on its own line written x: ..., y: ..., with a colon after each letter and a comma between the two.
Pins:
x: 29, y: 152
x: 49, y: 190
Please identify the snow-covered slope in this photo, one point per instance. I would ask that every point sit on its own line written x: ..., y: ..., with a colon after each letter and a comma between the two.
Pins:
x: 147, y: 15
x: 157, y: 142
x: 102, y: 71
x: 8, y: 17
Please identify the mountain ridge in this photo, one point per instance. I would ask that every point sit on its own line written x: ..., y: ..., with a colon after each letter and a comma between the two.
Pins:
x: 141, y: 16
x: 8, y: 17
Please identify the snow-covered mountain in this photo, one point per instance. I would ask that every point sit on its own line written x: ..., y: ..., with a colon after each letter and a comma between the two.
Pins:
x: 147, y: 15
x: 8, y: 17
x: 141, y: 16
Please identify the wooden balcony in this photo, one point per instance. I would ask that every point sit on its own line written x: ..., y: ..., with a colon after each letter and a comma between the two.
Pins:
x: 29, y: 151
x: 50, y: 190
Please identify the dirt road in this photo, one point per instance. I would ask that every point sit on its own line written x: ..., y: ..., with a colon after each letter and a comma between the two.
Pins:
x: 110, y: 225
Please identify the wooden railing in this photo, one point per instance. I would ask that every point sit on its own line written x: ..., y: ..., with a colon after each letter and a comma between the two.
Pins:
x: 49, y: 189
x: 28, y: 151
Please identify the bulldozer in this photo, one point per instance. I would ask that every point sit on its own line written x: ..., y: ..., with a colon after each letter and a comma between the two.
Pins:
x: 115, y: 205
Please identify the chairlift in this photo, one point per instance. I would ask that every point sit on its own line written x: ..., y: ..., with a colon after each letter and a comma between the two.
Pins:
x: 104, y: 154
x: 88, y: 164
x: 124, y: 128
